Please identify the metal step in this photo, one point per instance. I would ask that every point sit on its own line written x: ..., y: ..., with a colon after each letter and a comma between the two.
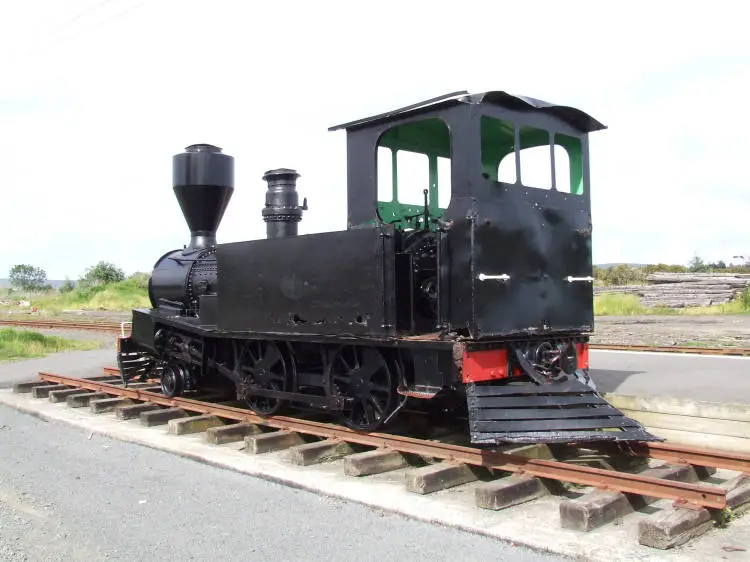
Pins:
x: 134, y: 364
x: 568, y: 411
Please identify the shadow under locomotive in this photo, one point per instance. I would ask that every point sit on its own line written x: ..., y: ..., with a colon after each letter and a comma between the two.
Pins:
x: 462, y: 284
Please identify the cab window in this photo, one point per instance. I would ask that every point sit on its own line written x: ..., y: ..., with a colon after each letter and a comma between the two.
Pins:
x: 411, y: 159
x: 531, y: 157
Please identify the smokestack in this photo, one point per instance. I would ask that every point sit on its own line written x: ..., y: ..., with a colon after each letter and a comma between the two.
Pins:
x: 282, y: 211
x: 203, y: 180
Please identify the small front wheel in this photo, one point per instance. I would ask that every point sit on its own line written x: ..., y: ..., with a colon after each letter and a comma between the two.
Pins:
x: 173, y: 380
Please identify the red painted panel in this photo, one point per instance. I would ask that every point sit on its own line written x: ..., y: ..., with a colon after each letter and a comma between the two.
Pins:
x: 485, y: 365
x: 583, y: 355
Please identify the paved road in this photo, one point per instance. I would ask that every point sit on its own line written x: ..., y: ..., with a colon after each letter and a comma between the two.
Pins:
x: 64, y: 496
x: 73, y: 363
x: 695, y: 377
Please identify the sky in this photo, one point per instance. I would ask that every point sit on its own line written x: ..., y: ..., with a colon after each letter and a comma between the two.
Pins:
x: 96, y: 96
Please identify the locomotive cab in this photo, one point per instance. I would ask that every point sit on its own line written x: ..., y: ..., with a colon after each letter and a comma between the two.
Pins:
x: 489, y: 194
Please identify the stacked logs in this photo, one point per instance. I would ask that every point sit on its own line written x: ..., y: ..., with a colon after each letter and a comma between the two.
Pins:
x: 680, y: 290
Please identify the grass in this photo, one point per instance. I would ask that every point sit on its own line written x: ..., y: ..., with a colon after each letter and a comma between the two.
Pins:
x: 619, y: 304
x: 121, y: 296
x: 21, y: 344
x: 623, y: 304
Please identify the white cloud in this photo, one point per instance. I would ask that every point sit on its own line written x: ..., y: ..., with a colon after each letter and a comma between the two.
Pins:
x: 92, y: 111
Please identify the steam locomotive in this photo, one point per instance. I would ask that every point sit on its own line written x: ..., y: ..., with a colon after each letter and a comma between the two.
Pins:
x: 462, y: 283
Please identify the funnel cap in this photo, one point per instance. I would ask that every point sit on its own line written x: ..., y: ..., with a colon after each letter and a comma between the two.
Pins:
x: 203, y: 180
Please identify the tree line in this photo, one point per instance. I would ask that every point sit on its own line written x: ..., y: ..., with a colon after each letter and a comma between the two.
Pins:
x: 628, y: 274
x: 32, y: 279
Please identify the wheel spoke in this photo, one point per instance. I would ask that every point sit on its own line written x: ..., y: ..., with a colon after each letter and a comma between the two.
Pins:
x: 348, y: 367
x: 270, y: 358
x: 377, y: 407
x: 365, y: 412
x: 376, y: 387
x: 371, y: 366
x: 346, y: 376
x: 254, y: 354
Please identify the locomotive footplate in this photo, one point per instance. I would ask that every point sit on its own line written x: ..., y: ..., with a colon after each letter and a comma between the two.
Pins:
x: 556, y: 412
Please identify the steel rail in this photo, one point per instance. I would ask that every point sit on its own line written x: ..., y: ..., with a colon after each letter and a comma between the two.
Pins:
x: 681, y: 492
x: 66, y: 324
x: 733, y: 351
x: 701, y: 457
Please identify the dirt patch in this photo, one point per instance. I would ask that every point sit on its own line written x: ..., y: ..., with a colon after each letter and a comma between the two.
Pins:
x: 708, y: 331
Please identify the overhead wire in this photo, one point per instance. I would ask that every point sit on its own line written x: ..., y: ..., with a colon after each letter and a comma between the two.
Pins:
x: 59, y: 35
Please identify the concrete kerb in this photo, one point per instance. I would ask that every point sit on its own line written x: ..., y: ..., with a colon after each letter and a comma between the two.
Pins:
x: 690, y: 422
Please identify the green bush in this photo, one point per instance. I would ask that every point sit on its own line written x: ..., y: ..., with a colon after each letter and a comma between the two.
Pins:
x: 139, y: 279
x: 664, y: 268
x: 103, y: 273
x: 67, y: 287
x: 620, y: 275
x: 119, y: 296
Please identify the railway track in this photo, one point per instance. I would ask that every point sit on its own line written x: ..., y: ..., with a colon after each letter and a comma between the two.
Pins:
x: 124, y: 327
x: 94, y: 325
x: 508, y: 476
x: 730, y: 351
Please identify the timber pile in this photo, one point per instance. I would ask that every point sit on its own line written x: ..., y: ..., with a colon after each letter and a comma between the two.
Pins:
x: 680, y: 290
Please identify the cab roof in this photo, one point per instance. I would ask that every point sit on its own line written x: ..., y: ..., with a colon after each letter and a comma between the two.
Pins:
x: 574, y: 117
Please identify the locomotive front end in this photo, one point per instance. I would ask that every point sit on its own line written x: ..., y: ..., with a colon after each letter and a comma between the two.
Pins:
x: 183, y: 282
x: 203, y: 179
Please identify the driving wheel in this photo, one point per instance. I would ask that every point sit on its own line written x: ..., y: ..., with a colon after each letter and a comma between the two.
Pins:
x: 362, y: 374
x: 264, y: 366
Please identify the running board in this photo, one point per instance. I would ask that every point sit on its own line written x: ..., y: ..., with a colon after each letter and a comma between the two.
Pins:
x: 569, y: 411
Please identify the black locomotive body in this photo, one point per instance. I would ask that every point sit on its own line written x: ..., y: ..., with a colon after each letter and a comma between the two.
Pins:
x: 464, y: 285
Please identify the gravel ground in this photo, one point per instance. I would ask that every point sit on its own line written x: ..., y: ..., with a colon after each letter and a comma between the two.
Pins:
x: 711, y: 331
x: 67, y: 496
